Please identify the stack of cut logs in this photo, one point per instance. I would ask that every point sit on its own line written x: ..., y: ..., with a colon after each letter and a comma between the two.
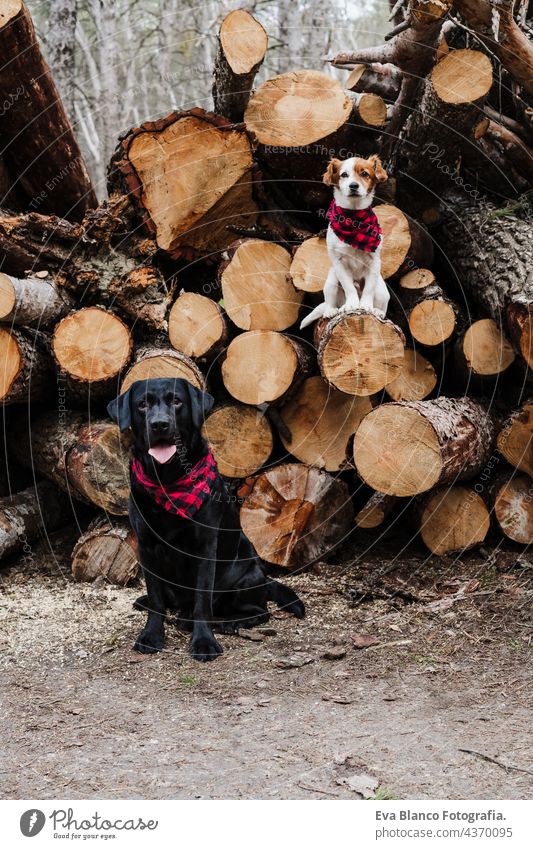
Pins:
x: 210, y: 251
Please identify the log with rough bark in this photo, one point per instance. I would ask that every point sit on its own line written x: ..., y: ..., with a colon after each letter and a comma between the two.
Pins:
x: 512, y: 500
x: 256, y: 286
x: 188, y: 175
x: 33, y: 301
x: 515, y: 439
x: 26, y: 365
x: 39, y: 147
x: 242, y: 44
x: 106, y: 550
x: 241, y: 439
x: 375, y: 78
x: 300, y: 120
x: 491, y: 253
x: 91, y: 347
x: 88, y: 460
x: 407, y: 447
x: 405, y: 245
x: 378, y: 508
x: 25, y: 515
x: 149, y: 361
x: 359, y: 353
x: 310, y: 265
x: 452, y: 520
x: 294, y: 515
x: 446, y: 120
x: 263, y: 367
x: 34, y: 243
x: 197, y: 326
x: 321, y: 421
x: 417, y: 378
x: 431, y: 316
x: 483, y: 351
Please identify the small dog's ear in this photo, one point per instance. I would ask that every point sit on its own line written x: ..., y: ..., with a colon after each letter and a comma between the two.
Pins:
x: 120, y: 411
x: 381, y: 174
x: 331, y: 176
x: 201, y: 405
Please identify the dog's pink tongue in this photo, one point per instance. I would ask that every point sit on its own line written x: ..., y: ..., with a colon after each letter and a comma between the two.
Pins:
x: 162, y: 453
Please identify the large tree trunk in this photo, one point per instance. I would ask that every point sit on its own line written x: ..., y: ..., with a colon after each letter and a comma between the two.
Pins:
x: 408, y: 447
x: 321, y: 421
x: 242, y: 44
x: 256, y: 287
x: 492, y: 254
x: 187, y: 207
x: 24, y: 516
x: 89, y: 461
x: 294, y: 514
x: 62, y: 50
x: 39, y: 146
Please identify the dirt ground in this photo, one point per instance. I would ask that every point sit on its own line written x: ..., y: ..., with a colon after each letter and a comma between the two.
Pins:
x: 437, y: 706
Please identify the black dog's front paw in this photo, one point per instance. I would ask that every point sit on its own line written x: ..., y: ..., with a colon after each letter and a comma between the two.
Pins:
x: 205, y: 648
x: 149, y: 642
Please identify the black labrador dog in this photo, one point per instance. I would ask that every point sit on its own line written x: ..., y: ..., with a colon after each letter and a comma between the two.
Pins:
x: 194, y: 558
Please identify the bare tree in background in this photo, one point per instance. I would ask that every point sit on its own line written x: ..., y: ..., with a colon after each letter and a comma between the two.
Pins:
x: 120, y: 62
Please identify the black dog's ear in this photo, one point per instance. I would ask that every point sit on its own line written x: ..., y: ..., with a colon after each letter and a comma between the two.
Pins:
x: 201, y: 405
x: 120, y: 411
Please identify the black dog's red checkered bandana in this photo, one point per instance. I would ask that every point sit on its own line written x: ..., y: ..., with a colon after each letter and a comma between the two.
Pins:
x: 186, y: 495
x: 357, y: 227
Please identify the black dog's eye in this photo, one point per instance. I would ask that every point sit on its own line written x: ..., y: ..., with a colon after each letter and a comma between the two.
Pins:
x: 177, y: 403
x: 143, y: 405
x: 344, y: 174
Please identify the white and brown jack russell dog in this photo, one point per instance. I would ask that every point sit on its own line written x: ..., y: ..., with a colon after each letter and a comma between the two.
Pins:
x: 353, y: 240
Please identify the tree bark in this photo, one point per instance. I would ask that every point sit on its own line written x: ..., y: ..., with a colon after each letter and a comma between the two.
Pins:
x: 32, y: 301
x: 242, y: 44
x: 408, y: 447
x: 62, y: 48
x: 512, y: 500
x: 26, y: 366
x: 107, y: 550
x: 294, y: 515
x: 515, y: 439
x: 24, y: 516
x: 39, y: 145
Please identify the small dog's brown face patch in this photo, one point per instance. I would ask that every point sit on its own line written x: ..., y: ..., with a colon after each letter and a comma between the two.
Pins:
x: 355, y: 177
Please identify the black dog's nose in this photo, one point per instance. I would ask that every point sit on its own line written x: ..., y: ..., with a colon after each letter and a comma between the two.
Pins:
x: 354, y: 187
x: 160, y: 425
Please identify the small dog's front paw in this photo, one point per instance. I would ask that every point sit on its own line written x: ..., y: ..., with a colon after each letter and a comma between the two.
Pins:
x: 330, y: 312
x: 149, y: 642
x: 378, y: 313
x: 349, y: 306
x: 205, y: 648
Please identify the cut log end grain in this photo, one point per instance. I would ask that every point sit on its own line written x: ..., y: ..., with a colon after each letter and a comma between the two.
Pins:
x: 97, y: 466
x: 418, y: 278
x: 513, y: 509
x: 256, y: 287
x: 196, y: 326
x: 515, y: 440
x: 107, y: 551
x: 10, y: 361
x: 190, y: 175
x: 261, y: 366
x: 310, y: 265
x: 294, y: 514
x: 372, y: 109
x: 375, y: 511
x: 403, y: 239
x: 241, y: 439
x: 453, y: 520
x: 405, y: 448
x: 321, y: 421
x: 297, y: 109
x: 163, y: 362
x: 462, y: 76
x: 243, y: 40
x: 416, y: 380
x: 359, y: 353
x: 8, y: 10
x: 485, y: 348
x: 91, y: 345
x: 8, y: 298
x: 432, y: 321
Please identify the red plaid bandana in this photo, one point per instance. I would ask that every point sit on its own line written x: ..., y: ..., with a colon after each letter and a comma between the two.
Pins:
x: 186, y: 495
x: 357, y: 227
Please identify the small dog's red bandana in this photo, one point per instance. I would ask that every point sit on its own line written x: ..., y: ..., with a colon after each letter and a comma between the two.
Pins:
x: 357, y: 227
x: 186, y: 495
